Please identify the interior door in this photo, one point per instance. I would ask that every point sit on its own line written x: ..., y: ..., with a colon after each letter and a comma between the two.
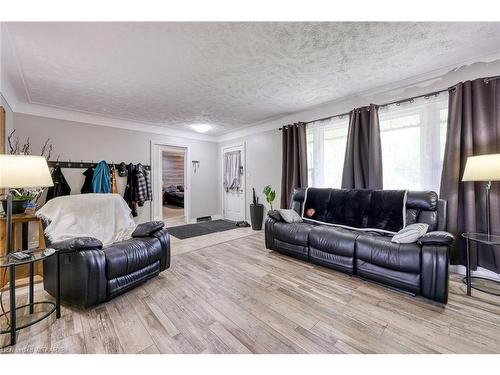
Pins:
x: 234, y: 199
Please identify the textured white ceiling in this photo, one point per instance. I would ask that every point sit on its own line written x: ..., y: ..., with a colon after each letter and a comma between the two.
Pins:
x: 228, y: 75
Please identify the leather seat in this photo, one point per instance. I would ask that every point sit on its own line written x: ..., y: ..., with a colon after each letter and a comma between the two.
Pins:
x: 294, y: 233
x: 380, y: 251
x: 123, y: 258
x: 333, y: 247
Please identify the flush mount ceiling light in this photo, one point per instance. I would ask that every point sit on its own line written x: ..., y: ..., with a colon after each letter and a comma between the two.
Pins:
x: 201, y: 128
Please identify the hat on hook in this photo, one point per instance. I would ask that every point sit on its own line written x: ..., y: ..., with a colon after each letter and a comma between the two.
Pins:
x: 122, y: 170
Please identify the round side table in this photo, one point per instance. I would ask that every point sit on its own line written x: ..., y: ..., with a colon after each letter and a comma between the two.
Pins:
x: 480, y: 283
x: 9, y: 321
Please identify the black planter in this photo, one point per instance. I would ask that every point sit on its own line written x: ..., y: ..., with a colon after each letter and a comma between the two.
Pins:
x: 18, y: 207
x: 256, y: 215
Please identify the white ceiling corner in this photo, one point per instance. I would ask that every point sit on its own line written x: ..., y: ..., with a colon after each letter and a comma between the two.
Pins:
x: 166, y: 76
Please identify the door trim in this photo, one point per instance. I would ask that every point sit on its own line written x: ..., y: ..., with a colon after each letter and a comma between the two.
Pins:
x: 244, y: 163
x: 156, y: 180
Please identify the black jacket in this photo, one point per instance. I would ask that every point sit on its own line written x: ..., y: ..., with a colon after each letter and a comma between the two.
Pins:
x: 130, y: 195
x: 60, y: 187
x: 87, y: 184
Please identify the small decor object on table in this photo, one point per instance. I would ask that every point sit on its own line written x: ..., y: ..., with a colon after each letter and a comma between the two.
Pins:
x: 480, y: 283
x: 256, y: 212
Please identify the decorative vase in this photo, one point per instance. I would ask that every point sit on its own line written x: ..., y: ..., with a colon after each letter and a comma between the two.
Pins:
x: 18, y: 207
x: 256, y: 215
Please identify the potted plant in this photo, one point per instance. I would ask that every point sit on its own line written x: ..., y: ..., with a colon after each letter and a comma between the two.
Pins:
x: 270, y: 195
x: 256, y: 212
x: 20, y: 201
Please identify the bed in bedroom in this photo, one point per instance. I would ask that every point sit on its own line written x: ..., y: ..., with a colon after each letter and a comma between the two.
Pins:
x: 173, y: 195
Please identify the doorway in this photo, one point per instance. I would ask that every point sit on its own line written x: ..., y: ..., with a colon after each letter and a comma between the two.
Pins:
x: 233, y: 183
x: 170, y: 184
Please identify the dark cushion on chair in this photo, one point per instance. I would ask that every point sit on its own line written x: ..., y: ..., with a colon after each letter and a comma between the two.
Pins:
x: 77, y: 244
x: 437, y: 238
x: 380, y: 251
x: 131, y: 255
x: 294, y: 233
x: 147, y: 229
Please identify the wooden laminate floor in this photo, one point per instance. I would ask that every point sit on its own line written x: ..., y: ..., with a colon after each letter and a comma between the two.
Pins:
x: 237, y: 297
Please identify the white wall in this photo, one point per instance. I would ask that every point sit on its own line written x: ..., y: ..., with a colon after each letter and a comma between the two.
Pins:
x: 263, y: 141
x: 9, y: 118
x: 80, y: 141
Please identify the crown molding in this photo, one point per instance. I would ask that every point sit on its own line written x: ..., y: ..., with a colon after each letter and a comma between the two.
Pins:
x: 87, y: 118
x: 423, y: 80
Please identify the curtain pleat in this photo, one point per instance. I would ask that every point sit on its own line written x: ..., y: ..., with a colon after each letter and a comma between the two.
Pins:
x: 473, y: 129
x: 294, y: 161
x: 363, y: 156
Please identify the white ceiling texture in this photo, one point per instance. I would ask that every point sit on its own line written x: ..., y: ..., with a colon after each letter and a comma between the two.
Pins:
x: 227, y: 75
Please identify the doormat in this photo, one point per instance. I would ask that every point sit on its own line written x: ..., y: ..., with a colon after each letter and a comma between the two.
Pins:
x: 199, y: 229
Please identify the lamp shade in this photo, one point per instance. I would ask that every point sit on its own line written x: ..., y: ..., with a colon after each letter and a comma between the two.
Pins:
x: 24, y: 171
x: 482, y: 168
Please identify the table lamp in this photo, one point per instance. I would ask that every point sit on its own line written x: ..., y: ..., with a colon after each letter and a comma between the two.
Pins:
x: 483, y: 168
x: 21, y: 171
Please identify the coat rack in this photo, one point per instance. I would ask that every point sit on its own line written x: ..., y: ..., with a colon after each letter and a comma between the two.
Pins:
x: 83, y: 164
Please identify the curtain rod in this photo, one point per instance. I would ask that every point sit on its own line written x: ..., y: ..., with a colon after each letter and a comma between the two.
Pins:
x: 434, y: 93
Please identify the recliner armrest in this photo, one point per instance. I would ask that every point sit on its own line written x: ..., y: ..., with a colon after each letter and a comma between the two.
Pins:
x: 436, y: 238
x: 148, y: 229
x: 77, y: 244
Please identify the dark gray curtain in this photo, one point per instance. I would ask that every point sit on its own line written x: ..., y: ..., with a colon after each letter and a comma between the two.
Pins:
x: 294, y: 167
x: 473, y: 129
x: 363, y: 155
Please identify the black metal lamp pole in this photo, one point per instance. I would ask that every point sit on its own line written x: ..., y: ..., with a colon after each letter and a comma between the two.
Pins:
x: 488, y: 225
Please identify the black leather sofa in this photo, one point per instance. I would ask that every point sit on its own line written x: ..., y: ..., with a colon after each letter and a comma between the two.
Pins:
x: 91, y: 274
x: 419, y: 268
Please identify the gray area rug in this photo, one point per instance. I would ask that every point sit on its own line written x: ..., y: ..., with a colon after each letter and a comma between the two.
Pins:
x: 199, y: 229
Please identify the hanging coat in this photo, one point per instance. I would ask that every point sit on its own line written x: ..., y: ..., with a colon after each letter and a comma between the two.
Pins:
x: 130, y: 189
x: 60, y: 187
x: 143, y: 185
x: 87, y: 184
x: 101, y: 182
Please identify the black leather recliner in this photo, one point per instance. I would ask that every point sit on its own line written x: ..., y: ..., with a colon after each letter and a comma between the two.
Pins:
x: 418, y: 268
x: 91, y: 274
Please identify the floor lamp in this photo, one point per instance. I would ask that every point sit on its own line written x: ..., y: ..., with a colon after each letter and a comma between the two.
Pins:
x: 483, y: 168
x: 21, y: 171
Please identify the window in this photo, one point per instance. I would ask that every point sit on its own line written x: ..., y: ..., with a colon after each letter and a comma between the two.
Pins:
x: 413, y: 137
x: 326, y: 143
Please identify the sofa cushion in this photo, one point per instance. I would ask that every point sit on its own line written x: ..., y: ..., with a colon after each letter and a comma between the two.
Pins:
x: 295, y: 233
x: 333, y: 240
x: 380, y: 251
x: 125, y: 257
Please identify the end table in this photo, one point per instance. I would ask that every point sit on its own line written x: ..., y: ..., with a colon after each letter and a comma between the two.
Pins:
x: 8, y: 320
x: 480, y: 283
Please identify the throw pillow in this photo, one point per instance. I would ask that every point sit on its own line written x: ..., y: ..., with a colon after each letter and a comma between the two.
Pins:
x: 411, y: 233
x: 275, y: 215
x: 290, y: 216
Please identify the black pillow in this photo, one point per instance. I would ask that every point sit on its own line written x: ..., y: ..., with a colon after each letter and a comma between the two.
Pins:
x: 275, y: 214
x: 147, y: 229
x: 180, y: 188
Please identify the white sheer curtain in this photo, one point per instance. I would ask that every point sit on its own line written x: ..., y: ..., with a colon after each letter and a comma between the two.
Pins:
x: 326, y: 143
x: 232, y: 163
x: 413, y: 137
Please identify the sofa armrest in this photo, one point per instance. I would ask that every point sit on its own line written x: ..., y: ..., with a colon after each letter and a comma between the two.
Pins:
x: 268, y: 231
x: 77, y: 244
x: 437, y: 238
x: 148, y: 229
x: 435, y: 272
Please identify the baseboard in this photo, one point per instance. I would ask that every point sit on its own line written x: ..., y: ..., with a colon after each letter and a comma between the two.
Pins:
x: 214, y: 217
x: 482, y: 272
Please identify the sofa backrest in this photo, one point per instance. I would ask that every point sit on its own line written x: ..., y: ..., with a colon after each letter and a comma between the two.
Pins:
x: 421, y: 207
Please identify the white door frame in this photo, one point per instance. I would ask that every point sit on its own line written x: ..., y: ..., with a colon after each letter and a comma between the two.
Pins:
x: 157, y: 177
x: 244, y: 164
